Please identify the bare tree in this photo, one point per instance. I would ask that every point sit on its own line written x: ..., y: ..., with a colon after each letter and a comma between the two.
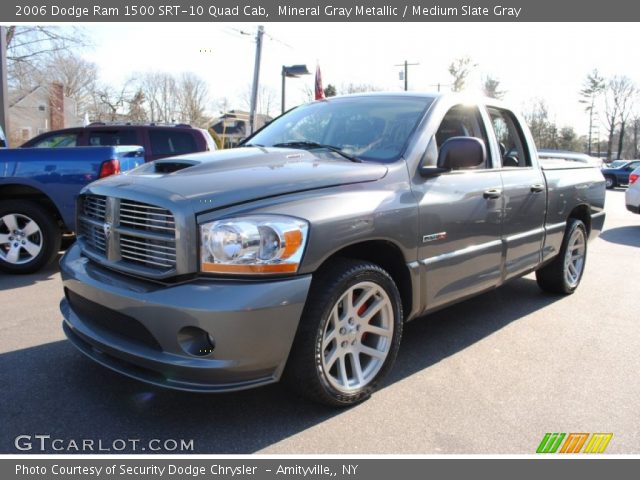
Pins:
x: 267, y: 99
x: 223, y: 105
x: 160, y: 92
x: 593, y: 86
x: 108, y: 102
x: 77, y: 76
x: 308, y: 92
x: 459, y: 69
x: 490, y: 87
x: 29, y: 49
x: 357, y: 88
x: 192, y: 98
x: 635, y: 125
x: 137, y: 112
x: 543, y: 130
x: 619, y: 95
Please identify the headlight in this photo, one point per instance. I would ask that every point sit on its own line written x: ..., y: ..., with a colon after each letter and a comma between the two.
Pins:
x: 256, y: 244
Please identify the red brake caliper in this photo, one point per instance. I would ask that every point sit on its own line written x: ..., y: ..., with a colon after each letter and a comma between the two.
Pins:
x: 361, y: 310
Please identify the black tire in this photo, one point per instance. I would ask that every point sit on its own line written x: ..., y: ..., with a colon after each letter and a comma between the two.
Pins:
x: 305, y: 373
x: 49, y: 240
x: 553, y: 276
x: 610, y: 182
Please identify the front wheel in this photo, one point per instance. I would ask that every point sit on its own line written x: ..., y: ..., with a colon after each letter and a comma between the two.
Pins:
x: 29, y: 237
x: 349, y: 334
x: 564, y: 273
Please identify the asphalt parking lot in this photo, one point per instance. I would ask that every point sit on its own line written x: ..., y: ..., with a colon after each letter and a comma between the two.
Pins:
x: 490, y: 375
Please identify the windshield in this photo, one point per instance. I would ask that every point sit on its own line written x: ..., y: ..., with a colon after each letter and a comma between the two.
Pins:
x: 366, y: 128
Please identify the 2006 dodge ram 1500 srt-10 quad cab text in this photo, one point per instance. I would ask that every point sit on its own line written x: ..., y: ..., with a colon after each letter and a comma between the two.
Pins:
x: 300, y: 255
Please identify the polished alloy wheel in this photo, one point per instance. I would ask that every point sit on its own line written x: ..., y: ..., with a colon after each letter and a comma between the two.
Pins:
x: 357, y: 337
x: 574, y: 257
x: 20, y: 239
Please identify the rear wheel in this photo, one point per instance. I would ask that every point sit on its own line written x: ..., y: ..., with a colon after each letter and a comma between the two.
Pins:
x: 610, y: 182
x: 29, y: 237
x: 564, y: 273
x: 348, y: 336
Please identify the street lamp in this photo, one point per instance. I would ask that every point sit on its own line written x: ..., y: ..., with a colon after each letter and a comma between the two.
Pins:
x: 294, y: 71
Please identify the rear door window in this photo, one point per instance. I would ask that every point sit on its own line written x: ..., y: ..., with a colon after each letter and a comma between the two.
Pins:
x: 115, y: 137
x: 167, y: 142
x: 510, y: 139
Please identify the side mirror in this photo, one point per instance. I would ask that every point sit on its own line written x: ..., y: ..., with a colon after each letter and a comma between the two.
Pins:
x: 462, y: 152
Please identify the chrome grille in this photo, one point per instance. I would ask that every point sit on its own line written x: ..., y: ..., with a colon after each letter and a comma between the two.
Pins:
x: 94, y: 237
x: 128, y: 234
x: 149, y: 252
x: 146, y: 217
x: 94, y: 207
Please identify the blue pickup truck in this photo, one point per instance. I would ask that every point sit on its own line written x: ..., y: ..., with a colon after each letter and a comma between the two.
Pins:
x: 38, y: 189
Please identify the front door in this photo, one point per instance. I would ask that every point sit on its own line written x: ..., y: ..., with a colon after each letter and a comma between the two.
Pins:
x: 460, y: 219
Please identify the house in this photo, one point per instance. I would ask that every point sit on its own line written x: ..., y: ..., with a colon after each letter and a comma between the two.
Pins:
x: 42, y: 109
x: 233, y: 126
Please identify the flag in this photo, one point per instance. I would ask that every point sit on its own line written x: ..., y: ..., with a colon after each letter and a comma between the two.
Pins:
x: 319, y: 90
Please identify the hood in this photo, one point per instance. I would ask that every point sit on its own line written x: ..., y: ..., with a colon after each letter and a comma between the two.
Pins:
x: 218, y: 179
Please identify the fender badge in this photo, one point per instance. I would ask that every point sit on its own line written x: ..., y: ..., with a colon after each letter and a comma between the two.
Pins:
x: 434, y: 236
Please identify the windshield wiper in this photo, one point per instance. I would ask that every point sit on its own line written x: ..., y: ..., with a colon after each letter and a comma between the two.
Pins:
x: 312, y: 145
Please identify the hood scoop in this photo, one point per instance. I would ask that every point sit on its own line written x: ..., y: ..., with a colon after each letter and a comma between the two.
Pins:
x: 170, y: 166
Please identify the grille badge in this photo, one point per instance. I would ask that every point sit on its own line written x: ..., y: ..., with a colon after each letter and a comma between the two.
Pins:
x: 106, y: 228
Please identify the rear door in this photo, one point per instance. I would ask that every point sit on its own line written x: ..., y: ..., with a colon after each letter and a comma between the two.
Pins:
x: 460, y: 214
x: 113, y: 137
x: 524, y: 191
x: 169, y: 142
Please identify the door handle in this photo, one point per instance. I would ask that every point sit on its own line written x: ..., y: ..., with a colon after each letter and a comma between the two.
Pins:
x: 537, y: 188
x: 492, y: 193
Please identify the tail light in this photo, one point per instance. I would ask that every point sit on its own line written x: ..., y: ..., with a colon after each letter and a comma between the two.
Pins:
x: 632, y: 178
x: 109, y: 167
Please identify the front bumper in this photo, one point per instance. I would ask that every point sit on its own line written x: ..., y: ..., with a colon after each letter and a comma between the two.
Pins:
x: 131, y: 326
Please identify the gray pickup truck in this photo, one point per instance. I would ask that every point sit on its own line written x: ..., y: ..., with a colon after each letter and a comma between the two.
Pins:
x: 300, y: 255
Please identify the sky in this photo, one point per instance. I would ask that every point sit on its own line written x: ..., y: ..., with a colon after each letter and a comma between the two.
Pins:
x: 531, y: 60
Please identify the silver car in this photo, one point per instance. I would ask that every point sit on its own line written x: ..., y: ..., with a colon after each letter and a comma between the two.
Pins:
x: 632, y: 197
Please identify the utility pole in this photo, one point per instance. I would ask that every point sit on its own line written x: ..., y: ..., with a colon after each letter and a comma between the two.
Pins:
x: 406, y: 73
x: 440, y: 85
x: 256, y: 79
x: 4, y: 95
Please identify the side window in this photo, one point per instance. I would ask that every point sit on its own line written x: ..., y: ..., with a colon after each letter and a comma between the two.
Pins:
x: 632, y: 166
x: 113, y: 137
x: 60, y: 140
x: 510, y: 139
x: 461, y: 121
x: 167, y: 142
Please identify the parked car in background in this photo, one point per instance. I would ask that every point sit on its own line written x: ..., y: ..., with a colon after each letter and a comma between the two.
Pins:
x: 618, y: 176
x: 616, y: 163
x: 38, y: 190
x: 632, y: 197
x: 544, y: 154
x: 158, y: 140
x: 301, y: 254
